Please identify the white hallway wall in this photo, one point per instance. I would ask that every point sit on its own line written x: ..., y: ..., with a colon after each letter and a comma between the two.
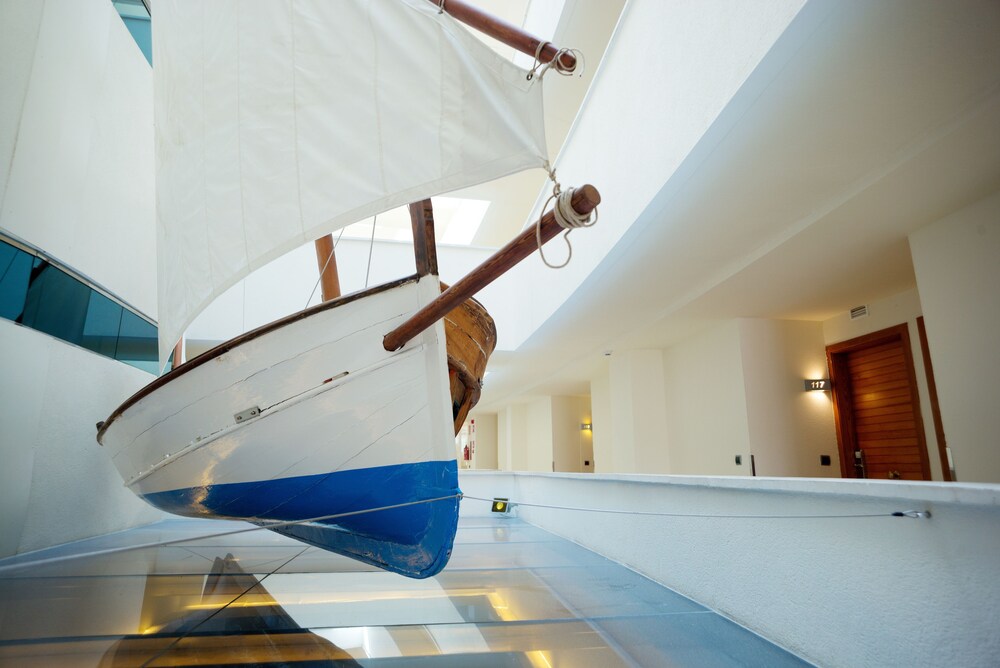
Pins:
x: 957, y: 263
x: 486, y: 456
x: 733, y: 389
x: 789, y: 428
x: 570, y: 444
x: 736, y: 389
x: 540, y: 434
x: 706, y: 412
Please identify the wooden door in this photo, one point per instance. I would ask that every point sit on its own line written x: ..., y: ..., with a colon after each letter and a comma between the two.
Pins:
x: 879, y: 427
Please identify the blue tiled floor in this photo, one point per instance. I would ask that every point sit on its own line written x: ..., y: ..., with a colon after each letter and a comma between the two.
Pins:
x: 512, y: 595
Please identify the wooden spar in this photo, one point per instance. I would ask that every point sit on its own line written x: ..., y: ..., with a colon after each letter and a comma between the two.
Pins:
x: 424, y: 247
x: 507, y: 33
x: 327, y: 261
x: 585, y: 199
x: 499, y: 30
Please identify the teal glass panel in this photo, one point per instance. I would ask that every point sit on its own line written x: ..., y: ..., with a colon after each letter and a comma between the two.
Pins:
x: 142, y: 33
x: 137, y: 343
x: 15, y: 273
x: 41, y: 296
x: 100, y: 330
x: 136, y: 19
x: 56, y: 303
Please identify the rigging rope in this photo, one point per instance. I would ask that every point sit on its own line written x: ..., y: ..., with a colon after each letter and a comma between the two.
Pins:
x: 899, y: 513
x: 13, y: 257
x: 371, y: 247
x: 221, y: 534
x: 538, y: 68
x: 565, y: 215
x: 915, y: 514
x: 323, y: 270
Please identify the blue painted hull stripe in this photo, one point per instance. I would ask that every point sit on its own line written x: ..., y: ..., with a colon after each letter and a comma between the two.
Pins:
x: 414, y: 540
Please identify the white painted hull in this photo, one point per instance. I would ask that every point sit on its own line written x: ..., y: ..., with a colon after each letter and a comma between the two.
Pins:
x: 323, y: 407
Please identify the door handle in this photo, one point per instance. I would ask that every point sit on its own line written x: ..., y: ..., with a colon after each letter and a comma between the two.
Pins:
x: 859, y: 464
x: 893, y: 475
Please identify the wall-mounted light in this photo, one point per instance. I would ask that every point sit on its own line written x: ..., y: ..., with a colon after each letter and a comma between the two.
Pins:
x: 586, y: 426
x: 817, y: 384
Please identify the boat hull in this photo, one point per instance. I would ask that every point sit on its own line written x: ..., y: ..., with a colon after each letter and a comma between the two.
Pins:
x: 307, y: 418
x: 414, y: 540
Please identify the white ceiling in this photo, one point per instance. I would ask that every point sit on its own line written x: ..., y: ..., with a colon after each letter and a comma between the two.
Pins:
x: 798, y: 205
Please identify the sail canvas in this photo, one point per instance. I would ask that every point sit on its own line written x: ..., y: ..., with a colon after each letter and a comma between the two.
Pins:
x: 280, y: 121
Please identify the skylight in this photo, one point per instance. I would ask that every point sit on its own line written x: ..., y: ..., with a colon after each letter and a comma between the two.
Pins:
x: 456, y: 222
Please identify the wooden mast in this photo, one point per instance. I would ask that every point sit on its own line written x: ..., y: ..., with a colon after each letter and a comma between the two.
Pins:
x: 327, y: 261
x: 585, y: 200
x: 424, y: 247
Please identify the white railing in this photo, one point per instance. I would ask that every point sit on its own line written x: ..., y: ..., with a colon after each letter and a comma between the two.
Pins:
x: 821, y: 568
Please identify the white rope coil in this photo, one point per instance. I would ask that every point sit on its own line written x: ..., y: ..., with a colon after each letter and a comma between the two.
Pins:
x: 565, y: 215
x: 538, y: 68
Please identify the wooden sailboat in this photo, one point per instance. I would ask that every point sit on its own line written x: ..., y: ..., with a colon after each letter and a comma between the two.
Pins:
x: 333, y: 425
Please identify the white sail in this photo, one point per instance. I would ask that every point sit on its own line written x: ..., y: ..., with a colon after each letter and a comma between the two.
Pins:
x: 278, y: 121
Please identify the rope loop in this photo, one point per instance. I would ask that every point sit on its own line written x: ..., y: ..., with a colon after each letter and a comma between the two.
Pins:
x: 539, y: 68
x: 565, y: 215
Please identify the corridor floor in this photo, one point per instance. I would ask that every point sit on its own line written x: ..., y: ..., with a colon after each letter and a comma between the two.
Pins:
x: 512, y: 595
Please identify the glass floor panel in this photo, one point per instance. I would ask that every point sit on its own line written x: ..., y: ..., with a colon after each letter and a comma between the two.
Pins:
x: 512, y: 595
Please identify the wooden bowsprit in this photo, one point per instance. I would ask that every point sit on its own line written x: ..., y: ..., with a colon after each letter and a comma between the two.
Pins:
x: 585, y: 200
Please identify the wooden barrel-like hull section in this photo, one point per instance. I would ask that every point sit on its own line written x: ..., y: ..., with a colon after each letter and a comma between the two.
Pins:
x: 470, y: 336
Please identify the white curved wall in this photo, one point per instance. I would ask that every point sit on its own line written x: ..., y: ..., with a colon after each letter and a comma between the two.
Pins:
x: 76, y: 142
x: 56, y: 483
x: 669, y: 71
x: 957, y: 263
x: 76, y: 180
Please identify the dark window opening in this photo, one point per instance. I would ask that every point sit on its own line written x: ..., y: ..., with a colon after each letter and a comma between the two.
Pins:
x: 38, y: 294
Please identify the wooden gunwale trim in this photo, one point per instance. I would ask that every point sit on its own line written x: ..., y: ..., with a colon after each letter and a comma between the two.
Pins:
x: 502, y: 31
x: 237, y: 341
